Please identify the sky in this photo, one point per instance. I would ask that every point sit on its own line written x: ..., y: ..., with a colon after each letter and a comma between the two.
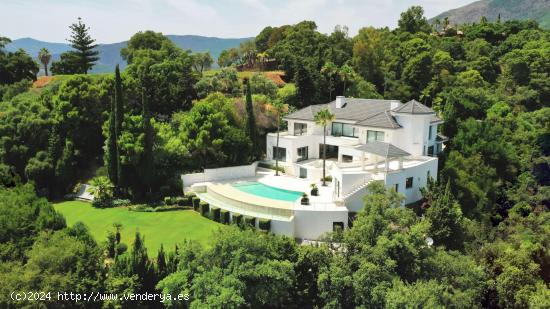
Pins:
x: 117, y: 20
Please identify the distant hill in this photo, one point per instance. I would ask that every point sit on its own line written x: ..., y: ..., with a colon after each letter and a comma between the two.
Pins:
x: 538, y: 10
x: 110, y: 53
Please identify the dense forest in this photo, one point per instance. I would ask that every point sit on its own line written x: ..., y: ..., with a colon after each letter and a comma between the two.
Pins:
x: 488, y: 211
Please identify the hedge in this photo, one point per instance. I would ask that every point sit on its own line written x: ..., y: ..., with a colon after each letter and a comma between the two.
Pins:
x: 195, y: 201
x: 215, y: 214
x: 204, y: 207
x: 250, y: 221
x: 188, y: 199
x: 237, y: 219
x: 224, y: 216
x: 264, y: 224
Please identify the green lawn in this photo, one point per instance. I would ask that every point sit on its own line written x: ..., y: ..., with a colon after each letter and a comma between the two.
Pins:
x: 167, y: 228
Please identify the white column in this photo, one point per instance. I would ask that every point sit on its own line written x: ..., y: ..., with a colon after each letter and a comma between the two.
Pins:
x: 400, y: 163
x: 387, y: 165
x: 362, y: 156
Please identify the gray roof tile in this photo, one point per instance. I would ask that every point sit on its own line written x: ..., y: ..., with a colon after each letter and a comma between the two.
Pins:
x: 414, y: 107
x: 367, y: 112
x: 385, y: 150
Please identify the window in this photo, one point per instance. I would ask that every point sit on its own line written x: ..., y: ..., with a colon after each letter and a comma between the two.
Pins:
x: 409, y: 183
x: 396, y: 187
x: 346, y: 158
x: 302, y: 154
x: 337, y: 226
x: 343, y: 129
x: 279, y: 153
x: 431, y: 151
x: 375, y: 136
x: 300, y: 128
x: 430, y: 133
x: 303, y: 172
x: 332, y: 151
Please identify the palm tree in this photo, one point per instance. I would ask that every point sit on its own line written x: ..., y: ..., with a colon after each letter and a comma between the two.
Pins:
x: 323, y: 118
x: 329, y: 70
x: 279, y: 109
x: 262, y: 57
x: 44, y: 57
x: 101, y: 188
x: 346, y: 74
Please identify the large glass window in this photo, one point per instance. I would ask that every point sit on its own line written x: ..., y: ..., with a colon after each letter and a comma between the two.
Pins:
x: 431, y: 151
x: 300, y: 128
x: 279, y: 153
x: 375, y: 136
x: 302, y: 153
x: 343, y: 129
x: 409, y: 182
x: 430, y: 133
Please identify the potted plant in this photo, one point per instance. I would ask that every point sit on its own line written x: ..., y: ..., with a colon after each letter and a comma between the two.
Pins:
x: 305, y: 199
x: 314, y: 190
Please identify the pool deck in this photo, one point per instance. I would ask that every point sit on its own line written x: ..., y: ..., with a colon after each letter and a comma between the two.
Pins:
x: 323, y: 201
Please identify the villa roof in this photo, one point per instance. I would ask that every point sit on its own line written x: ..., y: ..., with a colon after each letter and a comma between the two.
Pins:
x: 435, y: 119
x: 381, y: 120
x: 367, y: 112
x: 441, y: 138
x: 414, y: 107
x: 382, y: 149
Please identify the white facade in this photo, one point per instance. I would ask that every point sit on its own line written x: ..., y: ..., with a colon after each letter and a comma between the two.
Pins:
x: 370, y: 140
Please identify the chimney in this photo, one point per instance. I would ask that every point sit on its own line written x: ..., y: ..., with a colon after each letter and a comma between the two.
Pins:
x: 340, y: 101
x: 394, y: 104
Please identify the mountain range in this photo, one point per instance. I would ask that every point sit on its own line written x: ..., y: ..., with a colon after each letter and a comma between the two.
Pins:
x: 109, y: 54
x: 538, y: 10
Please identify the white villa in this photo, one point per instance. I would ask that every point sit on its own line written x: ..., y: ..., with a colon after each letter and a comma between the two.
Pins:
x: 369, y: 140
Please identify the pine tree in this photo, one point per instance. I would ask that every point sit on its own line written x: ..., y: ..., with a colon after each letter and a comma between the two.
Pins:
x: 119, y: 117
x: 112, y: 147
x: 85, y: 53
x: 446, y: 220
x: 250, y: 119
x: 161, y: 263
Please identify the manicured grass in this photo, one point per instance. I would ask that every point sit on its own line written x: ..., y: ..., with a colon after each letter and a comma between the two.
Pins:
x: 167, y: 228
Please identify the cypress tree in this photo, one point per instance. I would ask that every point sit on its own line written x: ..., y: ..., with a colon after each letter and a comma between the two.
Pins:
x: 84, y: 54
x: 250, y: 120
x: 112, y: 147
x: 147, y: 158
x: 119, y: 117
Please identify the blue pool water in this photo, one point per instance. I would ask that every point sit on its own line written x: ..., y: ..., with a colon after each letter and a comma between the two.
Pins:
x: 262, y: 190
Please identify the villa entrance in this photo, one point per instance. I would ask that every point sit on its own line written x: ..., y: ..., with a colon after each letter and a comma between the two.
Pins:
x: 332, y: 151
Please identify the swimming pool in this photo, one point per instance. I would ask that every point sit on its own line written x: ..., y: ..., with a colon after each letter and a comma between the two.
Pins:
x: 262, y: 190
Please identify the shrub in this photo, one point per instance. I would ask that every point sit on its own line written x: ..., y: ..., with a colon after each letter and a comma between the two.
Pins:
x: 224, y: 216
x: 169, y: 208
x: 215, y: 214
x: 102, y: 203
x: 181, y: 201
x: 250, y: 221
x: 121, y: 248
x: 189, y: 199
x: 237, y: 219
x: 141, y: 208
x: 121, y: 202
x: 195, y: 201
x: 204, y: 208
x: 168, y: 200
x: 264, y: 224
x: 327, y: 178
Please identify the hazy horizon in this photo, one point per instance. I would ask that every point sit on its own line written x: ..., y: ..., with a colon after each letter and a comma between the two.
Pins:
x: 221, y: 19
